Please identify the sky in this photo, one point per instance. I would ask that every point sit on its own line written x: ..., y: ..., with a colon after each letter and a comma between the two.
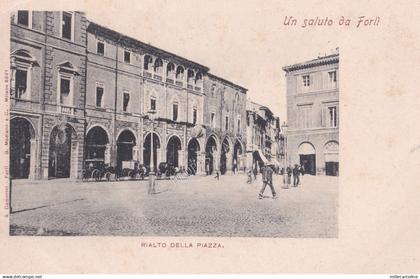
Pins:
x: 241, y: 41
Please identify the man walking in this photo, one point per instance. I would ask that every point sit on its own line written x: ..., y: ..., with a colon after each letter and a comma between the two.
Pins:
x: 267, y: 177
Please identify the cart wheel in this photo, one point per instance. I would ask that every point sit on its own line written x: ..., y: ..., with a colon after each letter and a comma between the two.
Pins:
x: 130, y: 174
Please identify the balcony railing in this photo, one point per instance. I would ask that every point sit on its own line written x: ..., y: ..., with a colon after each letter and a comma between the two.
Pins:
x: 147, y: 74
x: 179, y: 83
x: 197, y: 89
x: 171, y: 81
x: 189, y: 86
x: 157, y: 77
x: 66, y: 110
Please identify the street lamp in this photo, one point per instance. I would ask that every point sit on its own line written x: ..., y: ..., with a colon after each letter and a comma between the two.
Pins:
x: 284, y: 128
x: 152, y: 177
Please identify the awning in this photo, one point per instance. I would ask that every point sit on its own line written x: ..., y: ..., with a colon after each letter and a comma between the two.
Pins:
x: 274, y: 162
x: 258, y: 155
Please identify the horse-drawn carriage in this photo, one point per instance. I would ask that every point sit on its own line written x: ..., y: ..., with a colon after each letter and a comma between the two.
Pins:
x: 97, y: 170
x: 133, y: 170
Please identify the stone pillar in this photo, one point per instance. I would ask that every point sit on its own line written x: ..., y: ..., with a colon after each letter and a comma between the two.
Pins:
x: 33, y: 161
x: 74, y: 162
x: 229, y: 162
x: 107, y: 159
x: 135, y: 153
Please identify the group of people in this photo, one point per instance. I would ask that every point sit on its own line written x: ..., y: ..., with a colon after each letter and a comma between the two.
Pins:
x: 267, y: 177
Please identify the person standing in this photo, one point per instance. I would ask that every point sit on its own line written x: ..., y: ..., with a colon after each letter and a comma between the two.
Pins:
x: 267, y: 177
x: 296, y: 173
x: 289, y: 175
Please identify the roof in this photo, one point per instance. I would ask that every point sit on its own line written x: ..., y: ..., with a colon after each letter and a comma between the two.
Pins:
x: 129, y: 41
x: 227, y: 82
x: 328, y: 59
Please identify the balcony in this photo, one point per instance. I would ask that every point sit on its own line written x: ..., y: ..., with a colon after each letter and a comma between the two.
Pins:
x: 65, y: 110
x: 157, y: 77
x: 197, y: 89
x: 179, y: 83
x: 189, y: 86
x: 171, y: 81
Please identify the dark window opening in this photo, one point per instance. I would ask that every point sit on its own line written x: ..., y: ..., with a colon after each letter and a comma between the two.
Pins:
x: 126, y: 101
x: 227, y: 123
x: 127, y: 57
x: 66, y: 25
x: 64, y: 90
x: 100, y: 48
x: 21, y: 83
x: 23, y: 18
x: 152, y: 104
x: 175, y: 112
x: 99, y: 96
x: 194, y: 116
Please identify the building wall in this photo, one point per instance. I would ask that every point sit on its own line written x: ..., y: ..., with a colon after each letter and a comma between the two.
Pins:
x: 41, y: 39
x: 307, y: 108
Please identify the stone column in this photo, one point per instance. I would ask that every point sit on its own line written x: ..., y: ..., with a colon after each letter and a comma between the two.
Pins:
x: 74, y: 160
x: 33, y: 161
x: 107, y: 159
x: 229, y: 163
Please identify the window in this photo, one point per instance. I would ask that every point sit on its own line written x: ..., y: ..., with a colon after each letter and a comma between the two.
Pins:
x: 239, y: 125
x: 227, y: 123
x: 23, y: 18
x: 332, y: 116
x: 153, y: 103
x: 332, y: 76
x: 212, y: 119
x: 65, y: 96
x: 126, y: 101
x: 175, y: 111
x: 306, y: 81
x: 100, y: 48
x: 99, y: 95
x: 127, y: 56
x: 304, y: 116
x: 66, y: 28
x: 21, y: 80
x: 194, y: 115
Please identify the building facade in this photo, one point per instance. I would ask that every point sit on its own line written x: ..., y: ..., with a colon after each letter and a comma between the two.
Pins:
x: 264, y: 139
x: 85, y: 95
x: 313, y: 114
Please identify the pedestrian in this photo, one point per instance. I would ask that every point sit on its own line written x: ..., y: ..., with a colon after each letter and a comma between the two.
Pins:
x: 289, y: 175
x: 296, y: 173
x: 267, y: 177
x: 249, y: 174
x: 302, y: 170
x: 217, y: 175
x: 255, y: 173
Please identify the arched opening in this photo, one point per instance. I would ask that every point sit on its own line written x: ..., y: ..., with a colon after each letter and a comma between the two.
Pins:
x: 158, y: 66
x: 148, y: 60
x: 180, y: 73
x: 199, y: 80
x: 173, y: 150
x: 211, y: 151
x: 223, y: 156
x: 307, y: 157
x: 193, y: 150
x: 61, y: 140
x: 22, y: 149
x: 237, y: 162
x: 125, y: 146
x: 190, y: 78
x: 170, y: 71
x: 147, y: 148
x: 331, y: 158
x: 97, y: 151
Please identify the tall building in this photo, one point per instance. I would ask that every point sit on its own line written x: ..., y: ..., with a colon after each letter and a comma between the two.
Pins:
x: 85, y: 95
x: 48, y: 79
x: 313, y: 114
x: 264, y: 142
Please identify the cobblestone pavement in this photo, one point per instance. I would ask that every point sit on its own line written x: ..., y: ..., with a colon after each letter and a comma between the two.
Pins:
x: 198, y: 206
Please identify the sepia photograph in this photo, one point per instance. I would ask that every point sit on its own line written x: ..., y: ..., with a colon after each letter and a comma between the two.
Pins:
x: 110, y: 135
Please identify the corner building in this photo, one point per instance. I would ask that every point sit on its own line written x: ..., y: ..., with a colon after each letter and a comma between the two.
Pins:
x: 313, y: 114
